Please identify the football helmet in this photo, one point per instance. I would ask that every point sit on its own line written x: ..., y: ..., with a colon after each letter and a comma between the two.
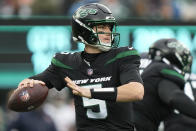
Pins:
x: 173, y: 51
x: 89, y: 16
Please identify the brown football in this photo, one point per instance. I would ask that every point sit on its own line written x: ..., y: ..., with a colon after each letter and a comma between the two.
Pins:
x: 28, y: 98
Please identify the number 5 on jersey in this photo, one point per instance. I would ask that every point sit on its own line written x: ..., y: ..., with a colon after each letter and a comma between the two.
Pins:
x: 89, y: 103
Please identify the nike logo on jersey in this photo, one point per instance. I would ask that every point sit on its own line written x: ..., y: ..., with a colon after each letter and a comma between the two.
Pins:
x: 95, y: 80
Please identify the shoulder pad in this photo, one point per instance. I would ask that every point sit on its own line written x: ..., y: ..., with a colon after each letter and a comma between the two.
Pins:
x: 64, y: 60
x: 128, y: 50
x: 171, y: 74
x: 124, y: 53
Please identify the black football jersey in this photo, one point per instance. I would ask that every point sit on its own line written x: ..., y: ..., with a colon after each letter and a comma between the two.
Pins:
x: 109, y: 69
x: 181, y: 122
x: 151, y: 110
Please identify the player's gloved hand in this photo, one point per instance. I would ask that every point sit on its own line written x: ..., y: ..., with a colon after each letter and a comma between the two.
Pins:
x: 77, y: 90
x: 30, y: 82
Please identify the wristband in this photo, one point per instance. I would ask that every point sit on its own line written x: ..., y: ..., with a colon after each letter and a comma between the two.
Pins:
x: 109, y: 94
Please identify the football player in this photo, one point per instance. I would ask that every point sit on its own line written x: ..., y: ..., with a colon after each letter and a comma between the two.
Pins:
x: 104, y: 79
x: 180, y: 122
x: 164, y: 82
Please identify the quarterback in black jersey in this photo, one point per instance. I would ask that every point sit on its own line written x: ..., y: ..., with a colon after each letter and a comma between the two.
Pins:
x: 104, y: 79
x: 163, y: 85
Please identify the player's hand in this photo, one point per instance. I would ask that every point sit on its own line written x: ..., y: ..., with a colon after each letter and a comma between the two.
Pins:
x: 77, y: 90
x: 30, y: 82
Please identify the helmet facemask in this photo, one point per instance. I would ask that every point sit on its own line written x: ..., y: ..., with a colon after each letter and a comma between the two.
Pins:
x: 182, y: 56
x: 106, y: 45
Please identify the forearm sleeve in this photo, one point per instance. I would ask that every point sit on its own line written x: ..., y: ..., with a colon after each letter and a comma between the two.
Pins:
x: 171, y: 94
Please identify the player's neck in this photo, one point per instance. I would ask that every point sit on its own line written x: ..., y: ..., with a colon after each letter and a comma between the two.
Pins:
x: 91, y: 49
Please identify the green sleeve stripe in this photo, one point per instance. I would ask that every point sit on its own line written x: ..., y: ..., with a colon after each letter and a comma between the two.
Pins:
x: 121, y: 55
x: 172, y: 72
x: 60, y: 64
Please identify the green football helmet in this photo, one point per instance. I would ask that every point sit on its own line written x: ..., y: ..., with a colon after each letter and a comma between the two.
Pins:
x: 174, y: 51
x: 89, y: 16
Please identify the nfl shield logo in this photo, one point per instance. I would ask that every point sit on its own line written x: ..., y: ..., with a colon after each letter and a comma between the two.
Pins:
x: 24, y: 96
x: 89, y: 72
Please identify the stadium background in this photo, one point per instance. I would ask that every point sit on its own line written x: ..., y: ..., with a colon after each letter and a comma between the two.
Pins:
x: 29, y: 40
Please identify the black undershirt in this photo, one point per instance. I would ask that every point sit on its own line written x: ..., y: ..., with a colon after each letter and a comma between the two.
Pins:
x: 89, y: 57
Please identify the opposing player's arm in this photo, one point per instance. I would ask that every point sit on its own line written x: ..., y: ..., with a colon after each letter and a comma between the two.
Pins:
x: 171, y: 94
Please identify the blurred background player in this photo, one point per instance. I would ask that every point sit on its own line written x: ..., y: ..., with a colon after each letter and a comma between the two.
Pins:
x: 60, y: 108
x: 2, y: 120
x: 36, y: 120
x: 105, y: 78
x: 180, y: 122
x: 164, y: 82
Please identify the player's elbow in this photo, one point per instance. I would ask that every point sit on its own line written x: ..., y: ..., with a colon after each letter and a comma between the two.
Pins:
x: 130, y: 92
x: 140, y: 92
x: 137, y: 91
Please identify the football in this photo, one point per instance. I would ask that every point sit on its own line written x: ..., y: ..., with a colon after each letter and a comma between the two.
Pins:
x: 28, y: 98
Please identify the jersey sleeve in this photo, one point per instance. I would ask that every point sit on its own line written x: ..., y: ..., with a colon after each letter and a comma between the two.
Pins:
x: 172, y: 75
x: 52, y: 75
x: 129, y: 66
x: 171, y: 94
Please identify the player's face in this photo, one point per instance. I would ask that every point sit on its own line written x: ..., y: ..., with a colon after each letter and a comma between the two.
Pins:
x: 103, y: 33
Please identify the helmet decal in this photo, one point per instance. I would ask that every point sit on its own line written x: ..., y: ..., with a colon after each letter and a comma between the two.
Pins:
x: 84, y: 12
x: 176, y: 45
x: 110, y: 18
